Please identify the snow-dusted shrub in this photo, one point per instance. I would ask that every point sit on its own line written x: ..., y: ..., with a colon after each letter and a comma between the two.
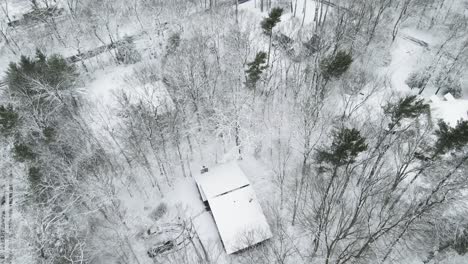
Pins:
x: 461, y: 243
x: 127, y: 53
x: 173, y: 43
x: 159, y: 211
x: 418, y: 80
x: 456, y: 91
x: 447, y: 84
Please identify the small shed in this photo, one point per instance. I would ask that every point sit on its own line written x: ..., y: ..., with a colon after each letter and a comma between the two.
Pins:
x: 449, y: 97
x: 235, y: 208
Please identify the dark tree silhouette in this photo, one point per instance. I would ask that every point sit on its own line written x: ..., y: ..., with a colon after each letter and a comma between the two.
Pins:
x: 268, y: 23
x: 334, y: 66
x: 256, y: 68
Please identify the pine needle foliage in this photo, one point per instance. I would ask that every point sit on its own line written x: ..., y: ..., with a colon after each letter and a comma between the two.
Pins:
x: 8, y: 119
x: 268, y: 23
x: 346, y: 146
x: 22, y: 152
x: 451, y: 138
x: 255, y: 69
x: 406, y: 107
x: 334, y: 66
x: 28, y: 74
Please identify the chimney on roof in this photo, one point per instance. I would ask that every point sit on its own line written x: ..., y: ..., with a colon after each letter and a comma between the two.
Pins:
x: 203, y: 170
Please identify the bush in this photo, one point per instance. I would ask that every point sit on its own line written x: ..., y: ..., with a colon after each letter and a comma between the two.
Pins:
x: 127, y: 53
x: 448, y: 84
x: 455, y: 91
x: 417, y: 80
x: 461, y: 243
x: 159, y: 212
x: 173, y: 43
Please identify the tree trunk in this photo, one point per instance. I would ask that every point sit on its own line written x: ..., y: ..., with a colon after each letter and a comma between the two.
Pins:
x: 237, y: 11
x: 269, y: 48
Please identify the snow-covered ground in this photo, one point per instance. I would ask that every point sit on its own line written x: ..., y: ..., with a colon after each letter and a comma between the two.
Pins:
x: 408, y: 56
x: 450, y: 111
x: 185, y: 204
x: 182, y: 197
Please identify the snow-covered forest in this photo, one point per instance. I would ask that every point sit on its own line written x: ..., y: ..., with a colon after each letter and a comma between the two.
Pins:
x: 349, y: 118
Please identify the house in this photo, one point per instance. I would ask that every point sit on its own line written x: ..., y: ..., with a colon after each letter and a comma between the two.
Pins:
x: 238, y: 216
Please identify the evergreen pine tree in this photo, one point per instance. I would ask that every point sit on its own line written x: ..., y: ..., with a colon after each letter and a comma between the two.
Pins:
x: 335, y: 66
x: 450, y: 138
x: 407, y: 107
x: 34, y: 177
x: 23, y: 152
x: 53, y: 71
x: 268, y: 23
x: 255, y: 69
x: 49, y: 134
x: 346, y: 146
x: 460, y: 244
x: 8, y: 119
x: 274, y: 17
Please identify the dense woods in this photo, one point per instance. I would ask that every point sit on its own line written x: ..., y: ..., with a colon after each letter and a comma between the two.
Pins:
x: 349, y: 117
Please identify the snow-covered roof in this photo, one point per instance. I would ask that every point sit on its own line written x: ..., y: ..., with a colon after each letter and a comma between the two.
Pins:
x: 221, y: 179
x: 234, y: 205
x: 240, y: 219
x: 449, y: 97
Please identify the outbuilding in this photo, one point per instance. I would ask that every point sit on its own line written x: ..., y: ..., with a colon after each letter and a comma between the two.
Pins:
x: 237, y: 213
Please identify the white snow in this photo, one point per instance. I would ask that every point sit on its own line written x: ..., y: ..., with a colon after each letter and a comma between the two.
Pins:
x: 221, y: 179
x: 304, y: 11
x: 450, y: 111
x: 107, y: 82
x: 207, y: 231
x: 406, y: 57
x: 234, y: 205
x: 240, y: 219
x: 16, y: 8
x: 449, y: 97
x: 150, y: 94
x: 434, y: 99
